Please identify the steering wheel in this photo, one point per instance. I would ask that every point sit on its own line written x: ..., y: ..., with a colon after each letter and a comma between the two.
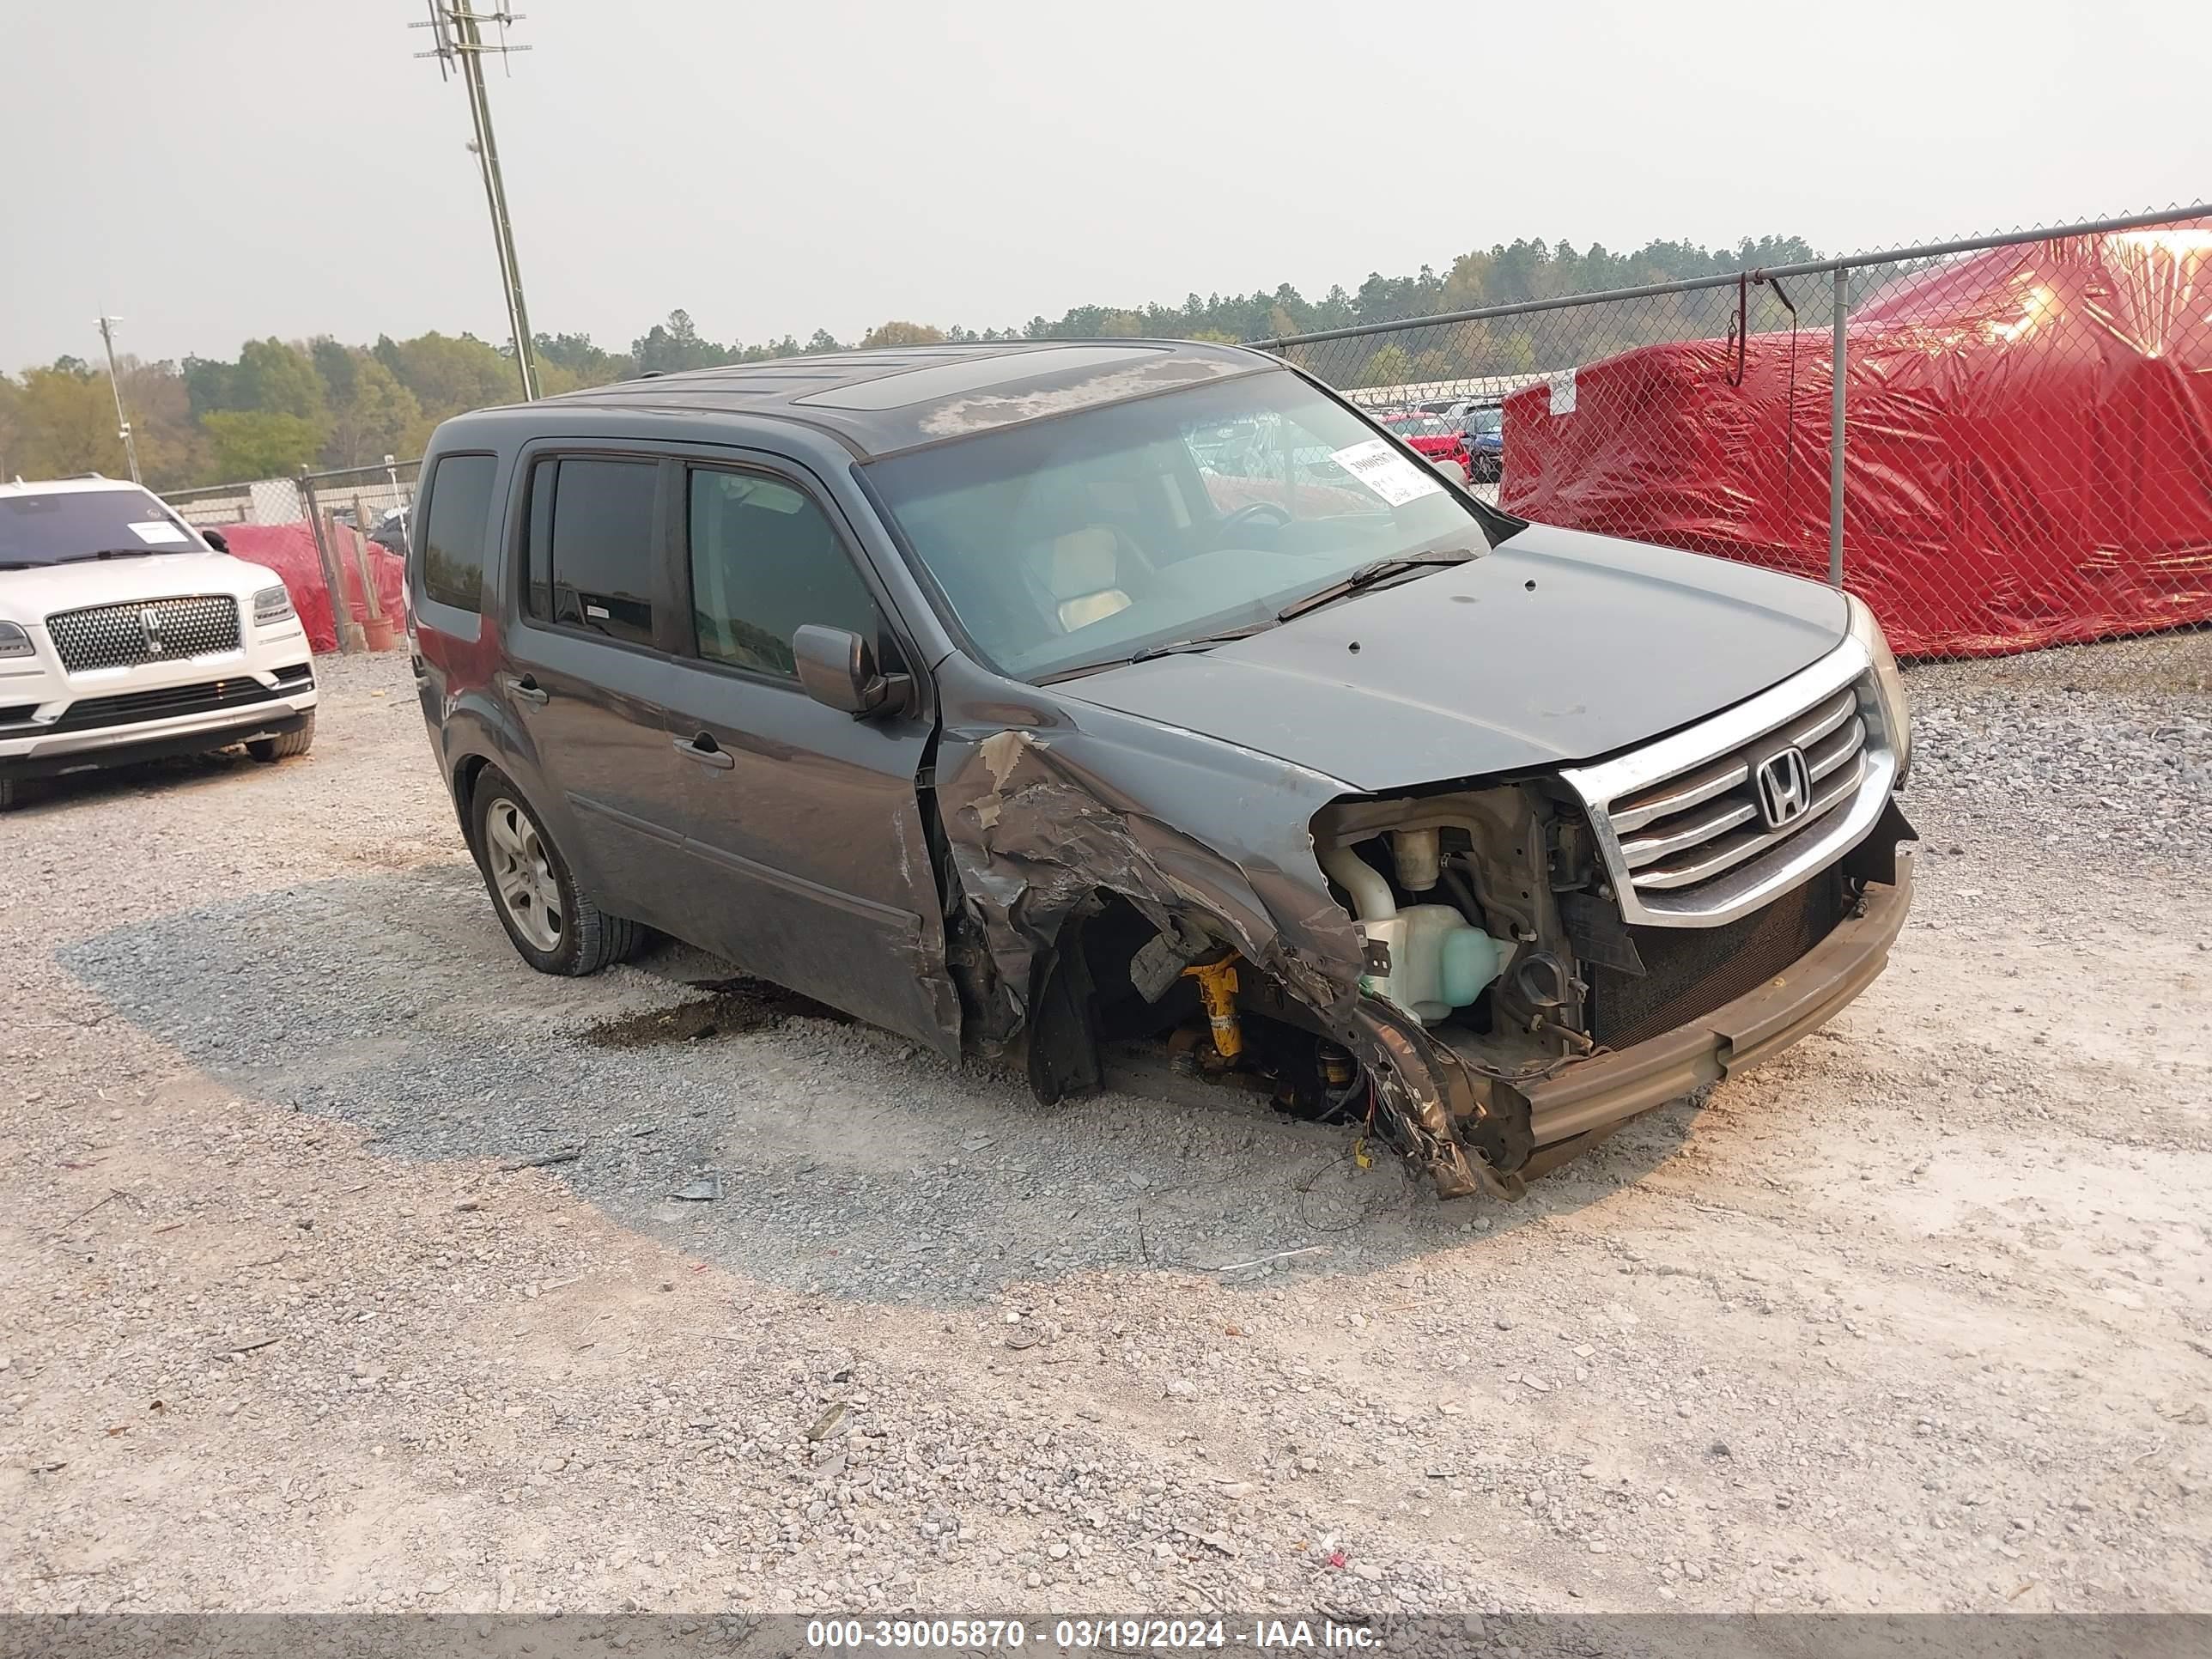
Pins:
x: 1280, y: 515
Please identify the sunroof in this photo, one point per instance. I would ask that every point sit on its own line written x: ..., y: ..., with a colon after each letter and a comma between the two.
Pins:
x: 923, y: 386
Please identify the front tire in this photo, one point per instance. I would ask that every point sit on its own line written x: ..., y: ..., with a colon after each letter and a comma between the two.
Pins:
x: 554, y: 924
x: 284, y: 743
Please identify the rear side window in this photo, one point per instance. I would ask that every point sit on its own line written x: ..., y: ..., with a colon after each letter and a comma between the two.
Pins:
x: 591, y: 546
x: 764, y: 563
x: 460, y: 523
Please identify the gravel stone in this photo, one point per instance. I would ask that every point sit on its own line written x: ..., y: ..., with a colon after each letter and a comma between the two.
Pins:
x: 1911, y: 1319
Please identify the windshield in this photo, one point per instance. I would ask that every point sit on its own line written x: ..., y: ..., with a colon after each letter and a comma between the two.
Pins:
x: 1486, y: 422
x: 1420, y: 426
x: 64, y: 525
x: 1068, y: 543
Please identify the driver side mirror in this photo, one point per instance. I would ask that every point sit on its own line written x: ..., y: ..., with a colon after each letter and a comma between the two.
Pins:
x: 215, y: 539
x: 837, y: 668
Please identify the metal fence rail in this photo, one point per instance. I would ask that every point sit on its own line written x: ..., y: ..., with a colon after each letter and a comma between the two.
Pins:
x: 2002, y: 443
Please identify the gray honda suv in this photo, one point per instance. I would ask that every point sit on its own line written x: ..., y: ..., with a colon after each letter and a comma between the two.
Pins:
x: 1023, y: 697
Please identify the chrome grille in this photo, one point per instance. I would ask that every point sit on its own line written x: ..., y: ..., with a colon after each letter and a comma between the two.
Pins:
x: 152, y: 630
x: 1705, y: 826
x: 1692, y: 827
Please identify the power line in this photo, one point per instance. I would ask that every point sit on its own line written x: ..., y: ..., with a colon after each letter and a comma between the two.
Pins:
x: 459, y: 42
x: 115, y: 385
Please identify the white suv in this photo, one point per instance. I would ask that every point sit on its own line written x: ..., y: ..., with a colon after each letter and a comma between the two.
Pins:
x: 127, y: 635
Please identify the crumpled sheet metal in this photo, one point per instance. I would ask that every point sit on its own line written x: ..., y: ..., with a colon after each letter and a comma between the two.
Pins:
x: 1037, y: 824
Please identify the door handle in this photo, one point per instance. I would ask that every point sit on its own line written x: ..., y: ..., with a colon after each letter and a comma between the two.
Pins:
x: 703, y: 749
x: 527, y: 688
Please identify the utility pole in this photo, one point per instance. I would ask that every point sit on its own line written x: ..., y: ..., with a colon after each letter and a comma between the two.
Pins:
x: 459, y: 41
x: 115, y: 385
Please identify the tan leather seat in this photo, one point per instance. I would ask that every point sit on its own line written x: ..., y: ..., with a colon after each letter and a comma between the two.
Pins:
x: 1081, y: 571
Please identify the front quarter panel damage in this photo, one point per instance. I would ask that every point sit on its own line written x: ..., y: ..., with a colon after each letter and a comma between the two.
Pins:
x: 1042, y: 818
x: 1041, y: 822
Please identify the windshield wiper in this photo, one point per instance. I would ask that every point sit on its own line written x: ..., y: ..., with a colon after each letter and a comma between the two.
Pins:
x: 1197, y: 642
x: 109, y: 553
x: 1376, y: 570
x: 1170, y: 648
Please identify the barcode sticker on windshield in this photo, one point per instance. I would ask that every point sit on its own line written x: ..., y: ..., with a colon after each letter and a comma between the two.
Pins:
x: 1387, y: 472
x: 157, y: 531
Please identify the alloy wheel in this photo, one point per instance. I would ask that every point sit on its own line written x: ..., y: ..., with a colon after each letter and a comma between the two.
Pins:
x: 522, y: 875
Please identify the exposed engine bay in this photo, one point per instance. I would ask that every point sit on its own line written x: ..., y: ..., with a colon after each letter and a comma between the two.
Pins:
x: 1455, y: 899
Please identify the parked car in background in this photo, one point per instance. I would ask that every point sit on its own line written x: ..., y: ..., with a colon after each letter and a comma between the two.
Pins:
x: 127, y: 635
x: 390, y: 532
x: 1482, y: 433
x: 1435, y: 436
x: 1021, y: 698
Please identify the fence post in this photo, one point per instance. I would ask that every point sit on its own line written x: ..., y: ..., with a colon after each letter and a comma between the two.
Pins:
x: 1836, y: 431
x: 342, y: 623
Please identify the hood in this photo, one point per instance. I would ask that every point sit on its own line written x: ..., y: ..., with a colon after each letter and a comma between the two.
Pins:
x: 30, y: 596
x: 1558, y: 647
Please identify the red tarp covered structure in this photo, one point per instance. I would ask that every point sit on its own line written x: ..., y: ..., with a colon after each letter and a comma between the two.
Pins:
x: 2028, y: 445
x: 289, y: 550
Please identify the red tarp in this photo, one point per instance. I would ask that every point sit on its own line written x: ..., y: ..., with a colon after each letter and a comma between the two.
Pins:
x: 2028, y: 446
x: 289, y: 550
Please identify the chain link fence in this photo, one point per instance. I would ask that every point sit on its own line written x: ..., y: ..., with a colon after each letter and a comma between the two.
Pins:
x: 2016, y: 456
x: 338, y: 539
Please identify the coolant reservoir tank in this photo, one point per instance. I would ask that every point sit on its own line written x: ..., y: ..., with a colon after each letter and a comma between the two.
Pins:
x: 1439, y: 961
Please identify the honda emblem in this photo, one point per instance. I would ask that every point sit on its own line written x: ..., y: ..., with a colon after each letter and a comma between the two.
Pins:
x: 1784, y: 784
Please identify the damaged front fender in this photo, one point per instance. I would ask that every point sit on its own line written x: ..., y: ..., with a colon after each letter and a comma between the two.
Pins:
x: 1041, y: 817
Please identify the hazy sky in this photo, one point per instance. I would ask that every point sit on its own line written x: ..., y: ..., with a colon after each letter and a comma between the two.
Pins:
x: 213, y: 169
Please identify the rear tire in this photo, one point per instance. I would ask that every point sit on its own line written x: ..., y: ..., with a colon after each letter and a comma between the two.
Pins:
x: 284, y: 743
x: 11, y: 794
x: 554, y: 924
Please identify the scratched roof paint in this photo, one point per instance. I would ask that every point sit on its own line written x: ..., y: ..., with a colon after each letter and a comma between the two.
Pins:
x: 881, y: 403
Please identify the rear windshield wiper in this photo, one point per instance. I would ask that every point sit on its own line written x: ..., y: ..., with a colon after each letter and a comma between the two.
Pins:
x: 1367, y: 575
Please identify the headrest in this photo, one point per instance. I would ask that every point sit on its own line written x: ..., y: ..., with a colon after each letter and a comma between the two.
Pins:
x: 1082, y: 561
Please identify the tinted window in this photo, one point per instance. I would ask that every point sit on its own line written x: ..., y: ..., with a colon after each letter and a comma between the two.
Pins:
x: 764, y: 563
x: 453, y: 539
x: 591, y: 546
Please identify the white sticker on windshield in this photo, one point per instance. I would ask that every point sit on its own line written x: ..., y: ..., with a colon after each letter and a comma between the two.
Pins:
x: 157, y: 531
x: 1387, y: 472
x: 1563, y: 393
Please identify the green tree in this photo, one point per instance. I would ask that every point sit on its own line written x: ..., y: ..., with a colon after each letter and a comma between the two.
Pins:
x: 670, y: 348
x: 585, y: 363
x: 901, y: 334
x: 1390, y: 366
x: 450, y: 374
x: 378, y: 418
x: 252, y: 443
x: 66, y: 415
x: 276, y: 379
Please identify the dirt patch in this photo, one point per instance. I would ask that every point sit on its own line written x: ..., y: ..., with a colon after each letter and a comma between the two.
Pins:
x: 731, y: 1008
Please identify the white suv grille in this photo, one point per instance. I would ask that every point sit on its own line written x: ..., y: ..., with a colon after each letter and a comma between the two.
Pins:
x: 153, y: 630
x: 1707, y: 825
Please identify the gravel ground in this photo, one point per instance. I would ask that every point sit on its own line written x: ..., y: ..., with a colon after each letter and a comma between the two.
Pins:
x: 1917, y: 1318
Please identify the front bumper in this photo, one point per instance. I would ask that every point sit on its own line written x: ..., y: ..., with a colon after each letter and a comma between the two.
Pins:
x: 1475, y: 1131
x: 1735, y: 1036
x: 44, y: 755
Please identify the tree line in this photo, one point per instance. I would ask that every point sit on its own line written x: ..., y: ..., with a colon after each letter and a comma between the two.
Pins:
x: 280, y: 405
